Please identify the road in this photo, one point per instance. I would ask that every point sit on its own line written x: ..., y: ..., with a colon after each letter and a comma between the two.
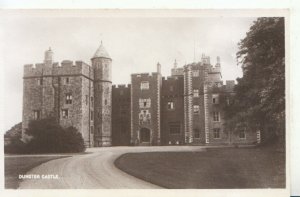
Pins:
x: 94, y: 171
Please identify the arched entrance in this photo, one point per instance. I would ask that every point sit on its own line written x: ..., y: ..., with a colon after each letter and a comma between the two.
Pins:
x: 144, y: 135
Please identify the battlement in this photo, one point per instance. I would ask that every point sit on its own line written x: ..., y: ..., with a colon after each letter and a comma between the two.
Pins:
x: 121, y: 86
x: 170, y: 78
x: 144, y: 75
x: 66, y: 67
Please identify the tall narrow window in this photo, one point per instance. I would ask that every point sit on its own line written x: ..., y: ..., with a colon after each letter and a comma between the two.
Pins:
x: 69, y: 98
x: 216, y: 116
x: 171, y: 88
x: 86, y: 99
x: 40, y: 81
x: 92, y: 101
x: 67, y: 80
x: 217, y: 133
x: 170, y: 105
x: 196, y: 93
x: 36, y: 114
x: 215, y: 99
x: 65, y: 113
x: 92, y: 115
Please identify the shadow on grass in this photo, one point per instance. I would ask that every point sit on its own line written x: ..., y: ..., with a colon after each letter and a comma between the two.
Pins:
x: 226, y: 168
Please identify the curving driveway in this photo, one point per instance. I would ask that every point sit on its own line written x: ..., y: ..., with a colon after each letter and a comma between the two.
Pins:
x: 94, y: 171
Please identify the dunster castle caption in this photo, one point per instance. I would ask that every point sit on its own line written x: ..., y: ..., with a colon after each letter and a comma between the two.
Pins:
x: 183, y: 109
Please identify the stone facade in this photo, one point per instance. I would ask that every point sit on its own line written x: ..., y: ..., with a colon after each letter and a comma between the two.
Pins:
x: 145, y: 108
x: 184, y: 108
x: 66, y: 91
x: 121, y: 111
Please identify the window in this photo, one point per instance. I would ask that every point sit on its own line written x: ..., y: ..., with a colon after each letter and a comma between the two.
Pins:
x: 170, y: 105
x: 65, y: 113
x: 36, y: 114
x: 196, y: 109
x: 144, y: 85
x: 40, y: 81
x: 196, y: 133
x: 92, y: 129
x: 68, y: 98
x: 217, y: 133
x: 86, y: 99
x: 92, y: 115
x: 216, y: 116
x: 145, y: 103
x: 227, y: 100
x: 242, y: 134
x: 171, y: 88
x: 92, y: 101
x: 174, y: 127
x: 67, y: 80
x: 121, y: 92
x: 196, y: 93
x: 195, y: 73
x: 105, y: 102
x: 98, y: 114
x: 215, y: 99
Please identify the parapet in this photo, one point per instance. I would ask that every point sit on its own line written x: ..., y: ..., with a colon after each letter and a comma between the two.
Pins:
x: 144, y: 75
x: 121, y: 86
x: 66, y: 67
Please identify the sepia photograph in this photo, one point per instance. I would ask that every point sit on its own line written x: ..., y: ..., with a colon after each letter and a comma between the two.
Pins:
x: 111, y: 99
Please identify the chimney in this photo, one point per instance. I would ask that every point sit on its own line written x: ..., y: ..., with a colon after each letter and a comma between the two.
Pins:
x: 158, y: 68
x: 48, y: 56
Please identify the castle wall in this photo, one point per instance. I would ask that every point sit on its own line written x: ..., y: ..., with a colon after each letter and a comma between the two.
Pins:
x: 172, y: 114
x: 45, y: 90
x: 121, y: 114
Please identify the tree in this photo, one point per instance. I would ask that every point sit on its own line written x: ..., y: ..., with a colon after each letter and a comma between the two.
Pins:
x: 259, y: 101
x: 47, y: 136
x: 14, y: 143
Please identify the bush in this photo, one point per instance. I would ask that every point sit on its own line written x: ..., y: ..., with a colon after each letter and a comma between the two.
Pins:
x: 16, y: 146
x: 47, y: 136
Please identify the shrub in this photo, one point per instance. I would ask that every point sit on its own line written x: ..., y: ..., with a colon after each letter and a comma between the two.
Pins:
x: 47, y: 136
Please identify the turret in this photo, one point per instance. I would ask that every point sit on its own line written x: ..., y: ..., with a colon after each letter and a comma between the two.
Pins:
x: 218, y: 62
x: 48, y: 56
x: 101, y: 63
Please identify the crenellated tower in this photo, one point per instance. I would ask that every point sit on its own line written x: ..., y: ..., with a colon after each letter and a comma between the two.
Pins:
x: 101, y: 63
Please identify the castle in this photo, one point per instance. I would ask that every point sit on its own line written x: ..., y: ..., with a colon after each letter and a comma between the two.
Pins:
x: 183, y: 109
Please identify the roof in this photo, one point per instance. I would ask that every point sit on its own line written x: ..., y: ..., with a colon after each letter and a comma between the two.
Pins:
x: 101, y: 52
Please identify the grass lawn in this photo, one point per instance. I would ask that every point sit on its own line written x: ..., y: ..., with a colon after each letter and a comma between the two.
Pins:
x: 20, y: 165
x: 258, y: 167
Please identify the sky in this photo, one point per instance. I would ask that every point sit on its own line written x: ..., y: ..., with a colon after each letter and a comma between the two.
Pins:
x: 135, y: 45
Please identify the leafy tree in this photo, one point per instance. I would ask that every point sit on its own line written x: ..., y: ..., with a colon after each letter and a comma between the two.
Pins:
x: 47, y: 136
x: 259, y: 101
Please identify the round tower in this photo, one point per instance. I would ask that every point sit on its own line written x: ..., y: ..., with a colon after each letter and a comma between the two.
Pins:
x: 101, y: 63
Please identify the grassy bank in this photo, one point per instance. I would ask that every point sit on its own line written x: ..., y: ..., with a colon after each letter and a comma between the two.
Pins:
x: 258, y: 167
x: 19, y: 165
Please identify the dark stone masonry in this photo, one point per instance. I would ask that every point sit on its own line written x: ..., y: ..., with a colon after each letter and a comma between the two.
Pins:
x: 182, y: 109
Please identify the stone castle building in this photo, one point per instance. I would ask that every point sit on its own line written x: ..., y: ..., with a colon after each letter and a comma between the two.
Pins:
x: 182, y: 109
